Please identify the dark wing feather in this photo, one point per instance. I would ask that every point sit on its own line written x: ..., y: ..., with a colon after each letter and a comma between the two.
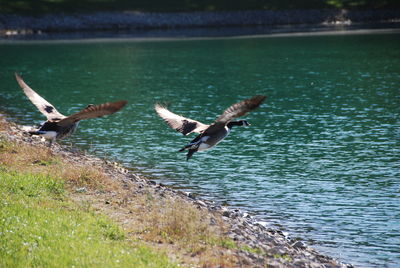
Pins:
x: 179, y: 123
x: 93, y: 111
x: 44, y: 107
x: 240, y: 108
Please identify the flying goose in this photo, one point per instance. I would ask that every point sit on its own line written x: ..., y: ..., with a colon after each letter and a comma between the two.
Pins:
x: 210, y: 135
x: 59, y: 126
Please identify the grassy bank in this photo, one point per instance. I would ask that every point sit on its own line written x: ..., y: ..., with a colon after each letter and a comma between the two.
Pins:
x: 60, y: 207
x: 82, y: 6
x: 56, y: 212
x: 41, y: 227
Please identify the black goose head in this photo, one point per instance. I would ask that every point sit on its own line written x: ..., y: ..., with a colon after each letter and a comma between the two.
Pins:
x: 242, y: 123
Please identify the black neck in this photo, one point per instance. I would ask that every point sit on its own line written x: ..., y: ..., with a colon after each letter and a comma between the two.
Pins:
x: 234, y: 123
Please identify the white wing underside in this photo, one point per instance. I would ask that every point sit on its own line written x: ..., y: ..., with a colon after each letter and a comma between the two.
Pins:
x: 44, y: 106
x: 179, y: 123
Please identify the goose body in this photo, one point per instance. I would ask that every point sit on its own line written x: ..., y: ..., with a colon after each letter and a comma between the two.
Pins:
x: 51, y: 130
x: 209, y: 141
x: 59, y: 126
x: 209, y: 135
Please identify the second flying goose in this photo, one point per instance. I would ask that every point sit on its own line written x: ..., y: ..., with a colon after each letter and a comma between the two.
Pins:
x: 210, y: 135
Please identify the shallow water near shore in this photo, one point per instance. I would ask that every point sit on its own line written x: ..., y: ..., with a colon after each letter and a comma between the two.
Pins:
x: 321, y: 159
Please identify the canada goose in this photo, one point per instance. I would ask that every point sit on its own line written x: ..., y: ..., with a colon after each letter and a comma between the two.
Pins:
x: 210, y: 135
x: 59, y: 126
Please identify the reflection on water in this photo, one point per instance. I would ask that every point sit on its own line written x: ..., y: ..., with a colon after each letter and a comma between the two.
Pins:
x: 320, y: 159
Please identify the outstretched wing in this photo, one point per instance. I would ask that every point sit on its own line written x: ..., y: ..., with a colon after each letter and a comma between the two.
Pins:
x: 179, y: 123
x: 93, y: 111
x: 240, y: 108
x: 44, y: 107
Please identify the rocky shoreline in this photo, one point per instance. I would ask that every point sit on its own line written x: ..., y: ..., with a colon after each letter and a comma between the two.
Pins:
x: 277, y: 250
x: 12, y: 24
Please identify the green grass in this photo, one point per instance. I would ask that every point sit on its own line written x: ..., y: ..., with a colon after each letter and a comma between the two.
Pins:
x: 40, y: 227
x: 169, y: 225
x: 283, y: 257
x: 37, y: 7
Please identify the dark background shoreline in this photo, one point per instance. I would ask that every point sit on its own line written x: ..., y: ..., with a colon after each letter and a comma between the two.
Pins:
x: 190, y: 24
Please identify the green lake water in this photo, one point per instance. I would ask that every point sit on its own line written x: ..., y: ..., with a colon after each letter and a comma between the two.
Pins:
x: 320, y: 161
